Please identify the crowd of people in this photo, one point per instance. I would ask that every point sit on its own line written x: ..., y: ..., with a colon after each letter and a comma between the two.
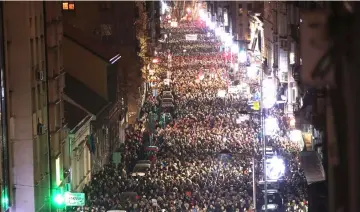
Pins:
x: 209, y: 149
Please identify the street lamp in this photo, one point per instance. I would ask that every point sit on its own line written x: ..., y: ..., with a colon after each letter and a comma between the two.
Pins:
x: 242, y: 56
x: 275, y: 168
x: 271, y: 126
x: 269, y: 93
x: 234, y: 48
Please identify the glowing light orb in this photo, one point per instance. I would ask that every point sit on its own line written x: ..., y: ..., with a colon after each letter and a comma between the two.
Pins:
x: 275, y: 168
x: 218, y: 32
x: 242, y: 57
x: 271, y: 126
x: 252, y: 72
x: 269, y: 93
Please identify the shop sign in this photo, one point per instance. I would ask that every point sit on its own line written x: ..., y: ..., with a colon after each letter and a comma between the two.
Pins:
x: 74, y: 199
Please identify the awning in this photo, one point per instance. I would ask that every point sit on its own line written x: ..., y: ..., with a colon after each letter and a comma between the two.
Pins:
x: 311, y: 164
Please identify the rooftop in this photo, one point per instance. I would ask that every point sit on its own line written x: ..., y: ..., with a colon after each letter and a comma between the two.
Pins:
x: 89, y: 42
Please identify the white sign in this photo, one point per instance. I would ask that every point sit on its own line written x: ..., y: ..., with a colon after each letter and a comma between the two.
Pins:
x: 191, y: 37
x: 74, y: 199
x: 232, y: 89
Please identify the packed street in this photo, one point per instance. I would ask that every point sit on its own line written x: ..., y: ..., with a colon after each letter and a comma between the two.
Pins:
x: 198, y: 142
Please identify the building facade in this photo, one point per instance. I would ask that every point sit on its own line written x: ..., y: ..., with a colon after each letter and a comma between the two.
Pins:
x: 35, y: 131
x: 4, y: 143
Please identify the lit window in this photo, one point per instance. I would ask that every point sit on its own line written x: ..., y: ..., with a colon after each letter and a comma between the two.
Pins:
x: 71, y: 6
x: 68, y: 6
x: 65, y: 6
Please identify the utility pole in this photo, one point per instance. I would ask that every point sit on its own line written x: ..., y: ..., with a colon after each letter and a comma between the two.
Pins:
x: 263, y: 138
x: 275, y: 38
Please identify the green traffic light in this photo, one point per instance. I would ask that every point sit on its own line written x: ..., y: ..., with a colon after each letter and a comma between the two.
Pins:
x: 59, y: 199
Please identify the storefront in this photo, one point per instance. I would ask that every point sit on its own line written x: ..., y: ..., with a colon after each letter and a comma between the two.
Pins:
x: 81, y: 156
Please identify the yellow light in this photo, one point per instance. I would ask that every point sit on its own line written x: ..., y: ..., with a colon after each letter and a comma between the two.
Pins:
x: 71, y: 6
x: 292, y: 122
x: 57, y: 170
x: 65, y: 6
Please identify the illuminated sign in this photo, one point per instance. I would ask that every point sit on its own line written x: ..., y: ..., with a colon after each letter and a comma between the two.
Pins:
x: 74, y: 199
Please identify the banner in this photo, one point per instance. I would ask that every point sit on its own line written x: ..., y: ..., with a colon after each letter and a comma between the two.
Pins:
x: 232, y: 89
x: 192, y: 37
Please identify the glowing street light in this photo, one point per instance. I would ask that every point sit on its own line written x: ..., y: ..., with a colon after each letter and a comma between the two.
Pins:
x: 218, y: 31
x: 269, y: 93
x: 202, y: 14
x: 227, y: 39
x: 252, y: 72
x: 236, y: 67
x: 271, y: 126
x: 275, y: 168
x: 234, y: 48
x: 211, y: 25
x: 242, y: 56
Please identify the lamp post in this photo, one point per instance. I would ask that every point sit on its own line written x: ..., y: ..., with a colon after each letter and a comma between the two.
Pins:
x: 263, y: 138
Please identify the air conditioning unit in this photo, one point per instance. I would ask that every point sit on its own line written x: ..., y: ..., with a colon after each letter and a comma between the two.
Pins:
x: 40, y: 76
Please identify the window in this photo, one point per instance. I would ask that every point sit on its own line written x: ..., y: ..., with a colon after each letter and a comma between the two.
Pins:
x: 68, y: 6
x: 240, y: 9
x: 71, y: 6
x: 65, y: 6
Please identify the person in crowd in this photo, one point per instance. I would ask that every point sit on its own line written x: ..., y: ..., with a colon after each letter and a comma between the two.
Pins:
x: 191, y: 172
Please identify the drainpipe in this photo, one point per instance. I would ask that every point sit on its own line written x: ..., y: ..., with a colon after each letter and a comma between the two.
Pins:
x: 47, y: 109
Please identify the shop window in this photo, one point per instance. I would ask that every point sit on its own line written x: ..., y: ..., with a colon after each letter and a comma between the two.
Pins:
x: 68, y: 6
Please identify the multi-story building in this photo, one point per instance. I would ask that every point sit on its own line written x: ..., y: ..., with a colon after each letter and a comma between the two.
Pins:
x: 5, y: 170
x: 100, y: 82
x: 33, y: 73
x: 112, y: 24
x: 82, y: 107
